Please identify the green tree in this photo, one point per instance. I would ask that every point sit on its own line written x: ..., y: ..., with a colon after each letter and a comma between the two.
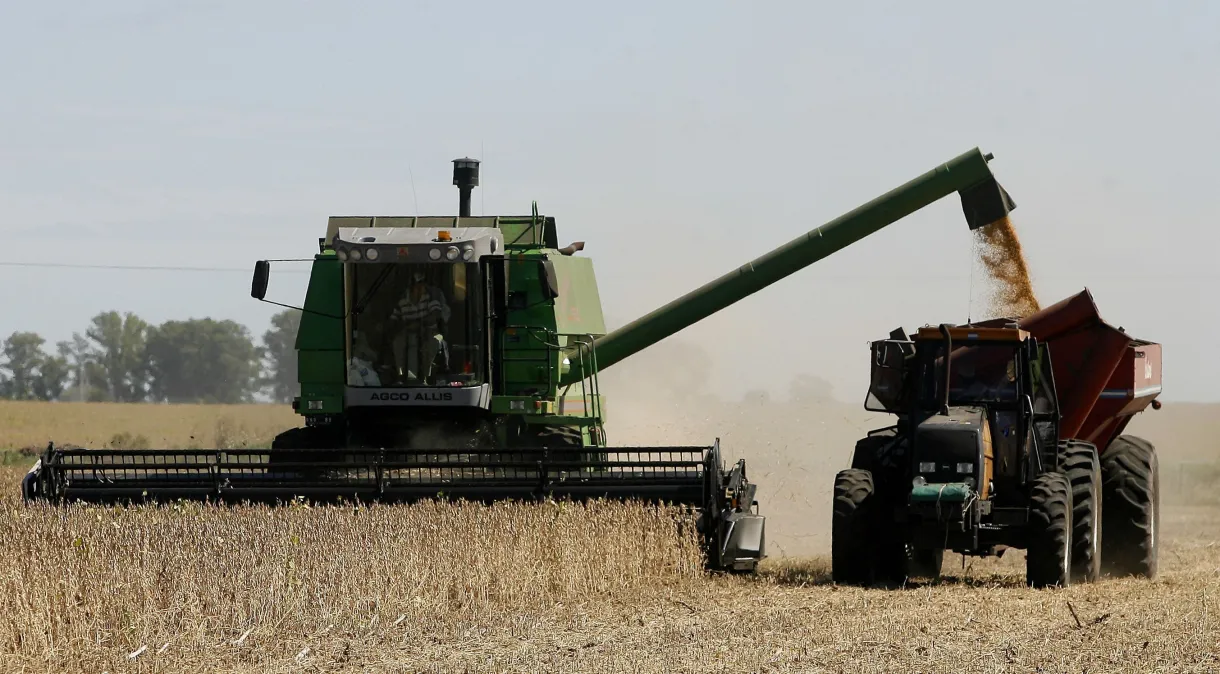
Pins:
x: 22, y: 356
x: 52, y: 378
x: 32, y: 374
x: 119, y: 355
x: 202, y: 360
x: 279, y: 353
x: 84, y: 371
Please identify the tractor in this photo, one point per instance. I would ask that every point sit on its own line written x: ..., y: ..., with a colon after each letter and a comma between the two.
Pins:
x: 1009, y: 434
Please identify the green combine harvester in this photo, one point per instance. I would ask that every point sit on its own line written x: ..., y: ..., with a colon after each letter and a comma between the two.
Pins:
x: 458, y: 357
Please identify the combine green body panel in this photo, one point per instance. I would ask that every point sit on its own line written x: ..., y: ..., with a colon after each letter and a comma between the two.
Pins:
x: 320, y: 343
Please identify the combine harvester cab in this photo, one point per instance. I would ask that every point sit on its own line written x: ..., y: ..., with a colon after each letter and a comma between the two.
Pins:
x: 458, y: 357
x: 1016, y: 443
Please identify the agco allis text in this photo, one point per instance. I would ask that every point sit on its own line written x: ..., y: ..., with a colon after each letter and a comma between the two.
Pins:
x: 420, y: 396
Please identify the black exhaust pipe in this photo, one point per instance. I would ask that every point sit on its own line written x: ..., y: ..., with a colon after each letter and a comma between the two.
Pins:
x: 466, y: 177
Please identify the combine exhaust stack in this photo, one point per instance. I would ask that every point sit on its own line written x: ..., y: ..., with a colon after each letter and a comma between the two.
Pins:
x: 466, y: 177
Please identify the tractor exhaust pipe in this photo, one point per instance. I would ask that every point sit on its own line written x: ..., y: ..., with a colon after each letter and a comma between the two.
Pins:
x: 466, y: 177
x: 944, y: 332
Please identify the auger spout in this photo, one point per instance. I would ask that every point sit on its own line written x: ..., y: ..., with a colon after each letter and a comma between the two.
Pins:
x: 983, y: 201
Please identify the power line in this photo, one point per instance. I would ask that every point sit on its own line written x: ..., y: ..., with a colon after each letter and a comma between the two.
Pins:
x: 132, y: 267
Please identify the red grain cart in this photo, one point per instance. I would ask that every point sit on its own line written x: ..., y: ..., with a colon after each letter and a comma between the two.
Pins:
x: 1104, y: 377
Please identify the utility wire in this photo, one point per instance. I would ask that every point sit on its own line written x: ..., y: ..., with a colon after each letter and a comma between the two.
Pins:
x: 132, y: 267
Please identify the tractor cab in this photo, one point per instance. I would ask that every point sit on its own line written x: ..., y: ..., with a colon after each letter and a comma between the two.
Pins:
x: 978, y: 403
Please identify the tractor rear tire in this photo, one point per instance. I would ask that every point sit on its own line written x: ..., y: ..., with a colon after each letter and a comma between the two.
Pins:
x: 854, y: 528
x: 1131, y: 489
x: 1048, y: 556
x: 1083, y: 469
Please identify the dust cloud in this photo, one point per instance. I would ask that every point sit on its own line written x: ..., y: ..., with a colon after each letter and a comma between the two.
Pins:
x: 792, y: 446
x: 999, y: 252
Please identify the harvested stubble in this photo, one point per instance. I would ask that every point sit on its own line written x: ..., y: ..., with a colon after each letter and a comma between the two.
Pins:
x: 649, y: 615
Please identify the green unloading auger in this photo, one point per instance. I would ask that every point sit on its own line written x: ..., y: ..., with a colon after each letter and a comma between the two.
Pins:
x: 984, y: 201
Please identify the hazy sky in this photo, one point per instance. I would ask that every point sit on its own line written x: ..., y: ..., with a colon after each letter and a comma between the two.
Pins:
x: 677, y: 140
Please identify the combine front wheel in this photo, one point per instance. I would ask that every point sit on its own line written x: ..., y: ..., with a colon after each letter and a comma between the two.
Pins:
x: 1131, y: 488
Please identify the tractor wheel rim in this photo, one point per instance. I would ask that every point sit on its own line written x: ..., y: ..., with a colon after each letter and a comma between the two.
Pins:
x: 1067, y: 554
x: 1096, y: 547
x: 1152, y: 526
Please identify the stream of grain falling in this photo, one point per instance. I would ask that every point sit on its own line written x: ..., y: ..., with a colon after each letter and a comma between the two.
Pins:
x: 999, y: 251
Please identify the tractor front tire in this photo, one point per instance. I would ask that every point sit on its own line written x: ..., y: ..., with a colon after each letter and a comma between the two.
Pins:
x: 1083, y: 470
x: 1131, y: 489
x: 1048, y: 556
x: 854, y: 528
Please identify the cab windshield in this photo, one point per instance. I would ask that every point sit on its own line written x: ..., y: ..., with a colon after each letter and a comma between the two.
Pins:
x: 982, y: 373
x: 414, y: 325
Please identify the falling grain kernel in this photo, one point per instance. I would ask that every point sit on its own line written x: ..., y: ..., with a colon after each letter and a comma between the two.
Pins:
x: 999, y: 251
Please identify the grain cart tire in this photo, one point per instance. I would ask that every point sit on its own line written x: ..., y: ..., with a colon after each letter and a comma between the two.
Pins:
x: 1083, y: 469
x: 1048, y: 555
x: 854, y: 526
x: 1130, y: 481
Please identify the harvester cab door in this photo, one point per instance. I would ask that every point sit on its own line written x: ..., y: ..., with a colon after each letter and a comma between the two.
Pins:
x: 887, y: 383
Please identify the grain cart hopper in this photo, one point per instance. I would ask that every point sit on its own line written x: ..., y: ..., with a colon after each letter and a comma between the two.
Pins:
x: 998, y: 448
x: 458, y: 357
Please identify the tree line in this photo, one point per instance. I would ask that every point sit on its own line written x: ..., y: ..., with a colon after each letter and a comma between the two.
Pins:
x: 122, y: 358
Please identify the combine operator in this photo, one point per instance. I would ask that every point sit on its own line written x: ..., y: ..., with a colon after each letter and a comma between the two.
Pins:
x: 419, y: 321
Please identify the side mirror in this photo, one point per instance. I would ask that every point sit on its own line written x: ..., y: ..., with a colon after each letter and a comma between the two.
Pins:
x: 258, y: 287
x: 548, y: 280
